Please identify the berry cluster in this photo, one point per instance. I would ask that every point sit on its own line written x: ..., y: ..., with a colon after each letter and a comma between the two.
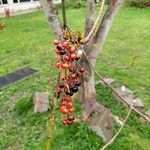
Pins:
x: 67, y: 108
x: 69, y: 55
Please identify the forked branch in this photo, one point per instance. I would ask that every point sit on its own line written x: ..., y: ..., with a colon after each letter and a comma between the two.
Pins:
x: 95, y: 26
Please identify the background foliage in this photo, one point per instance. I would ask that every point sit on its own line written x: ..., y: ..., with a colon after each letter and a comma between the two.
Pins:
x: 133, y: 3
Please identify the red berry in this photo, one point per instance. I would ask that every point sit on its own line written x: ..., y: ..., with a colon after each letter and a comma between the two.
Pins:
x: 65, y: 45
x: 77, y: 56
x: 69, y: 122
x: 72, y: 50
x: 73, y: 56
x: 63, y: 103
x: 57, y: 52
x: 82, y: 70
x: 71, y: 118
x: 64, y: 122
x: 71, y: 60
x: 56, y: 42
x: 58, y: 64
x: 66, y: 58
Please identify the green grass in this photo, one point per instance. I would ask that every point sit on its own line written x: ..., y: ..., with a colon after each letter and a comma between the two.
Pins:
x: 27, y: 42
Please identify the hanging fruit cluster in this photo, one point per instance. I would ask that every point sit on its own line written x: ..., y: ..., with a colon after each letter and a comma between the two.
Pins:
x: 69, y: 51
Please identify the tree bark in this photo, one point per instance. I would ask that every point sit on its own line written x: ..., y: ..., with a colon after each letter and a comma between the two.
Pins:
x: 87, y: 92
x: 104, y: 29
x: 52, y: 16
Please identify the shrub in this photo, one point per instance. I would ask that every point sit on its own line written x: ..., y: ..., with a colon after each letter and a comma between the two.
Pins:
x: 74, y: 4
x: 79, y: 4
x: 138, y: 3
x: 22, y: 106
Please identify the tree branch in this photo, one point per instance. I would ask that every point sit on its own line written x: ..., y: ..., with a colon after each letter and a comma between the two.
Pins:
x: 52, y: 16
x: 112, y: 88
x: 116, y: 135
x: 104, y: 28
x: 90, y: 17
x: 95, y: 25
x: 64, y: 14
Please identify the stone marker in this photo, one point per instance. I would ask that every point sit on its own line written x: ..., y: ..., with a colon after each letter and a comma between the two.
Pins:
x: 15, y: 76
x: 123, y: 92
x: 129, y: 97
x: 137, y: 103
x: 102, y: 124
x: 41, y: 102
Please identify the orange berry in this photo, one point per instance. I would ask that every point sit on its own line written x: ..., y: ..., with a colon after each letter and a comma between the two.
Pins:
x: 73, y: 75
x: 64, y: 110
x: 71, y: 109
x: 56, y: 42
x: 65, y: 66
x: 70, y: 104
x: 73, y: 56
x: 72, y: 50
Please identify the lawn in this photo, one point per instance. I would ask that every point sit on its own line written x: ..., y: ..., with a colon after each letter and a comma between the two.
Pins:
x: 27, y: 42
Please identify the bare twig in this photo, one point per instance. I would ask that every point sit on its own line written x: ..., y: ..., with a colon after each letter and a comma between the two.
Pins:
x: 51, y: 125
x: 52, y: 116
x: 116, y: 135
x: 133, y: 108
x: 96, y: 23
x: 64, y: 14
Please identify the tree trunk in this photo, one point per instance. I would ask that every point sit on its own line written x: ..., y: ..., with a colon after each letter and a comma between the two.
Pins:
x: 87, y: 92
x: 52, y: 16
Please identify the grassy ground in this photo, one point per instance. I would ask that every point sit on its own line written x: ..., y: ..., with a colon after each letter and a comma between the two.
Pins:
x: 27, y: 42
